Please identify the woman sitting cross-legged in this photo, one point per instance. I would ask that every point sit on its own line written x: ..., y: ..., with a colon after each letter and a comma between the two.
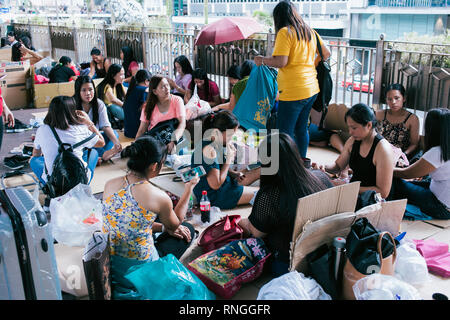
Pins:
x: 275, y: 206
x: 397, y: 125
x: 112, y: 91
x: 224, y: 187
x: 162, y: 106
x: 131, y: 204
x: 432, y: 197
x: 367, y: 153
x: 86, y: 100
x: 72, y: 126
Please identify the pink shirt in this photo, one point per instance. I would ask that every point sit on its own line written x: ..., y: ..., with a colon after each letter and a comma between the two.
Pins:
x: 176, y: 110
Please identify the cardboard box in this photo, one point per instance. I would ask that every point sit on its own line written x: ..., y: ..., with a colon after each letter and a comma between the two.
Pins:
x: 15, y: 84
x: 44, y: 93
x: 5, y: 54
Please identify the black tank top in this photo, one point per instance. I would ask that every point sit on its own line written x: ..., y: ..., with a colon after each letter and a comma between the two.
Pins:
x: 363, y: 168
x: 101, y: 73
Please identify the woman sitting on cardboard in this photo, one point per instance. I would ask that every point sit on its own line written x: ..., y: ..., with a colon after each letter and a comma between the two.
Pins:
x: 367, y: 153
x: 275, y: 206
x: 72, y: 126
x: 131, y: 204
x: 62, y: 72
x: 162, y: 106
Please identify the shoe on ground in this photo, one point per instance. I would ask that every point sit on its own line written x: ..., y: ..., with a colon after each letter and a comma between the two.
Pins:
x: 12, y: 163
x: 19, y: 126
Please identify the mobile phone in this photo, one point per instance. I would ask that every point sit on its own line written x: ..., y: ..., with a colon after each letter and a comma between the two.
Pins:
x: 188, y: 174
x: 253, y: 166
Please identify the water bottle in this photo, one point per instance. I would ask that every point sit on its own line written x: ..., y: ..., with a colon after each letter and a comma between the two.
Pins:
x: 338, y: 258
x: 205, y: 207
x: 190, y: 210
x: 251, y: 140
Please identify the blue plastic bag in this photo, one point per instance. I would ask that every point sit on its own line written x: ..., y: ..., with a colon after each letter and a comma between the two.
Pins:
x: 167, y: 279
x: 256, y: 102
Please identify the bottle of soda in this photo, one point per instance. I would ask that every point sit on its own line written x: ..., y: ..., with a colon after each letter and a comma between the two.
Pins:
x: 205, y: 207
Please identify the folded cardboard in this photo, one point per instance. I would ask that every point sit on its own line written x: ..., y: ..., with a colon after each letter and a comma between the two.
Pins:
x: 5, y: 54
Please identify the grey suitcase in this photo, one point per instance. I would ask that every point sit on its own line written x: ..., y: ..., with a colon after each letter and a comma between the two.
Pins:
x: 28, y: 267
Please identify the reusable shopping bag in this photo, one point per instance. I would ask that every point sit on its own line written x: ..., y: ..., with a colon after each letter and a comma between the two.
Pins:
x: 224, y: 270
x: 256, y: 102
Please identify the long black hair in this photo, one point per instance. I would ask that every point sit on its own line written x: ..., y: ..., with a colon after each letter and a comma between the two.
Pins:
x: 292, y: 178
x: 200, y: 74
x: 285, y: 15
x: 61, y: 113
x: 140, y: 76
x: 142, y: 153
x: 152, y: 98
x: 113, y: 70
x: 128, y: 57
x: 437, y: 131
x: 77, y: 96
x: 185, y: 64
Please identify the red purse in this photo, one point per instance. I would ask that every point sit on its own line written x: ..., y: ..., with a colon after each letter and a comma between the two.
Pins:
x: 220, y: 233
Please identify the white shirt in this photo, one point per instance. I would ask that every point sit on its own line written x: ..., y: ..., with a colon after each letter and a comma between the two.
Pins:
x: 103, y: 120
x: 440, y: 178
x: 46, y: 142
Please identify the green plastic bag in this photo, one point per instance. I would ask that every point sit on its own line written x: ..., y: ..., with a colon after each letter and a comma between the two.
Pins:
x: 167, y: 279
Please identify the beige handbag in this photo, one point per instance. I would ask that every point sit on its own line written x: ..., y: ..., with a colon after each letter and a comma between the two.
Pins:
x: 351, y: 275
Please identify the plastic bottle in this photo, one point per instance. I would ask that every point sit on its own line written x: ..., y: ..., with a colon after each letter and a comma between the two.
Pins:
x: 190, y: 210
x: 205, y: 207
x: 251, y: 140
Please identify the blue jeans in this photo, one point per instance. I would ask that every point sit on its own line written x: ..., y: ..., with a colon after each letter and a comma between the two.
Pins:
x: 317, y: 135
x: 293, y: 120
x: 108, y: 144
x: 37, y: 164
x: 419, y: 194
x: 117, y: 111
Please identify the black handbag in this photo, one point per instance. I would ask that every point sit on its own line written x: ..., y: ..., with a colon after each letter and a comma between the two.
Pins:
x: 163, y: 130
x: 325, y: 84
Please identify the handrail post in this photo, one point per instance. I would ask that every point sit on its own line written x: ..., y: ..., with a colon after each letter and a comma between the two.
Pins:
x: 144, y: 46
x: 75, y: 42
x: 105, y: 51
x: 196, y: 57
x: 378, y: 78
x: 52, y: 50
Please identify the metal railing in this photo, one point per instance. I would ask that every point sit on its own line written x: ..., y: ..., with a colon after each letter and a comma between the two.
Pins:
x: 360, y: 73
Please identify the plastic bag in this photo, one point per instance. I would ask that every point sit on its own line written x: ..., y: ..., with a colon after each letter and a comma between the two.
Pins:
x: 196, y: 107
x: 382, y: 287
x: 167, y: 279
x: 292, y: 286
x: 214, y: 215
x: 410, y: 266
x: 75, y: 216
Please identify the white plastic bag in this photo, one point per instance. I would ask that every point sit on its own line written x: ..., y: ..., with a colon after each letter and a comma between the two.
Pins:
x: 75, y: 216
x: 383, y: 287
x: 410, y: 266
x: 292, y: 286
x: 196, y: 107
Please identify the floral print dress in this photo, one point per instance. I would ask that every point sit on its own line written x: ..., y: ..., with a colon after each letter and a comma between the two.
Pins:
x: 129, y: 225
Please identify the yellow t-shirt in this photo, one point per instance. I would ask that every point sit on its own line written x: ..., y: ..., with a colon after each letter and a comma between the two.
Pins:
x: 105, y: 98
x: 298, y: 79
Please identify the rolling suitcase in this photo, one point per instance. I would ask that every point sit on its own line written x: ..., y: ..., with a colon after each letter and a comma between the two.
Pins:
x: 28, y: 267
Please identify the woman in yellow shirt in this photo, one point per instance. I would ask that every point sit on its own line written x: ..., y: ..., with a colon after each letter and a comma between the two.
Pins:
x: 296, y: 55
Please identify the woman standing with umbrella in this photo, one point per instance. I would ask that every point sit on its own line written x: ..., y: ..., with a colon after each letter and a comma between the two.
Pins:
x: 295, y: 54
